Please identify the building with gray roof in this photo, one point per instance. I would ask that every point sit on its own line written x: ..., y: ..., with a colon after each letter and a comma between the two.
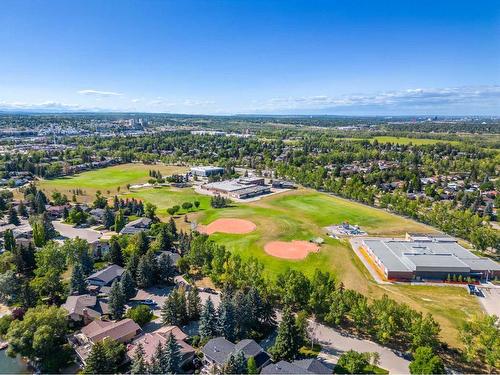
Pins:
x: 428, y: 257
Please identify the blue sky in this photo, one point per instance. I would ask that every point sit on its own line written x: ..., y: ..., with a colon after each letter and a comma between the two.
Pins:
x: 283, y: 56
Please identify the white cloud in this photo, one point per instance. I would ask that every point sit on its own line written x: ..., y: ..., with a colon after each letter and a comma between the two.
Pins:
x: 410, y: 98
x: 99, y: 93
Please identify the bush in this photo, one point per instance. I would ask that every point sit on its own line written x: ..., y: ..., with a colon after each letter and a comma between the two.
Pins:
x: 5, y: 324
x: 141, y: 314
x: 352, y: 362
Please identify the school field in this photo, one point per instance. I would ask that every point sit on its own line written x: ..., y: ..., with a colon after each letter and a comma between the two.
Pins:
x: 107, y: 180
x: 295, y: 215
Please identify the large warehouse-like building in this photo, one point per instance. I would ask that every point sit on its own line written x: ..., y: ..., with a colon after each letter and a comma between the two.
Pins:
x: 207, y: 171
x: 243, y: 188
x: 428, y: 257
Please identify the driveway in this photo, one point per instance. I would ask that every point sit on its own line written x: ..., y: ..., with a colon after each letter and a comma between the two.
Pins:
x: 491, y: 299
x: 335, y: 343
x: 69, y: 231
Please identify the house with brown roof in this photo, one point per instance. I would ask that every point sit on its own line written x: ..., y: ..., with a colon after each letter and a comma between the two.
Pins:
x: 150, y: 341
x: 85, y: 308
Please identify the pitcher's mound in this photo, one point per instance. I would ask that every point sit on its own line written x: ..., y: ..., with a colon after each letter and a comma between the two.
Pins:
x: 290, y: 250
x: 233, y: 226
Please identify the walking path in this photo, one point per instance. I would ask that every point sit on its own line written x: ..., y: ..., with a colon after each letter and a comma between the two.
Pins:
x: 356, y: 244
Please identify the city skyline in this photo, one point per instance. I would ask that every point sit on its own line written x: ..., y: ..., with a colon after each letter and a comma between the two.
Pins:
x: 261, y: 57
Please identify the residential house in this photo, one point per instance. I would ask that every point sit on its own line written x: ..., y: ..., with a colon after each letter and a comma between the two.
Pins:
x: 106, y: 276
x: 150, y: 341
x: 136, y: 226
x: 123, y: 331
x: 216, y: 352
x: 304, y: 366
x: 85, y: 308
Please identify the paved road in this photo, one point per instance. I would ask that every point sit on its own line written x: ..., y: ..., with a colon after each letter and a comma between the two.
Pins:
x: 334, y: 344
x: 69, y: 231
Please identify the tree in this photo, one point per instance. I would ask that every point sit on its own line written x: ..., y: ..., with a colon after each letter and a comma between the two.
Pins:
x: 108, y: 218
x: 116, y: 300
x: 481, y: 339
x: 252, y: 366
x: 236, y: 364
x: 226, y: 320
x: 139, y: 365
x: 193, y: 304
x: 9, y: 243
x: 12, y: 216
x: 426, y: 362
x: 288, y: 339
x: 294, y: 289
x: 127, y: 285
x: 97, y: 361
x: 166, y: 269
x: 141, y: 314
x: 146, y: 271
x: 77, y: 282
x: 173, y: 311
x: 172, y: 228
x: 39, y: 235
x: 353, y: 362
x: 51, y: 263
x: 105, y: 357
x: 100, y: 200
x: 150, y: 211
x: 10, y: 287
x: 40, y: 334
x: 208, y: 320
x: 22, y: 210
x: 119, y: 221
x: 187, y: 206
x: 115, y: 252
x: 170, y: 363
x: 424, y: 332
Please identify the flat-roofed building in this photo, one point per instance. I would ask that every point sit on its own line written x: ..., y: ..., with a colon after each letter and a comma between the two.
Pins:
x: 428, y: 257
x: 235, y: 189
x: 206, y: 171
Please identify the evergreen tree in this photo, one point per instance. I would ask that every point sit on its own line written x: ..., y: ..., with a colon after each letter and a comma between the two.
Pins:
x: 171, y: 359
x: 226, y: 323
x: 236, y: 364
x: 39, y: 235
x: 146, y: 271
x: 193, y: 304
x: 12, y: 217
x: 127, y: 285
x: 132, y: 263
x: 173, y: 311
x: 156, y: 361
x: 172, y: 228
x: 119, y: 221
x: 164, y: 239
x: 116, y: 300
x: 40, y: 202
x: 97, y: 361
x: 22, y: 210
x: 288, y: 340
x: 115, y: 252
x: 108, y: 218
x: 252, y: 366
x: 166, y: 270
x: 86, y: 261
x: 208, y: 320
x: 77, y: 282
x: 8, y: 240
x: 139, y: 365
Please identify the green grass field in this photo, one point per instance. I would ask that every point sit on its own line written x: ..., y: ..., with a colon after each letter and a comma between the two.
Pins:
x: 404, y: 140
x: 299, y: 214
x: 106, y: 179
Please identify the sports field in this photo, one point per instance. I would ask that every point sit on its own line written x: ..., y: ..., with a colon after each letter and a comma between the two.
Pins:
x: 106, y: 179
x: 295, y: 215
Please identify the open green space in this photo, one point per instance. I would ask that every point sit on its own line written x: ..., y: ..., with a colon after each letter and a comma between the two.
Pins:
x: 294, y: 215
x: 107, y: 179
x: 403, y: 140
x: 166, y: 197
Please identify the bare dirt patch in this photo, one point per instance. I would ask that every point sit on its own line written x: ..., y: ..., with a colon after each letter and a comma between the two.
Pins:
x: 232, y: 226
x: 290, y: 250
